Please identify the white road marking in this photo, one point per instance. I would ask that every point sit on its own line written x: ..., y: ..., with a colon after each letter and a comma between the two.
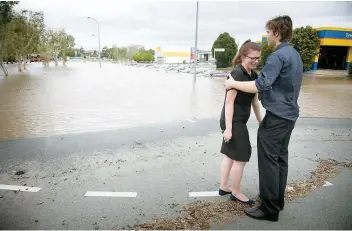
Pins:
x: 110, y: 194
x: 327, y: 183
x: 19, y: 188
x: 204, y: 194
x: 190, y: 120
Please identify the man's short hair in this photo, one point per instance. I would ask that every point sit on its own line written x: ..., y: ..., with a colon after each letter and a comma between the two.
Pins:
x: 281, y: 25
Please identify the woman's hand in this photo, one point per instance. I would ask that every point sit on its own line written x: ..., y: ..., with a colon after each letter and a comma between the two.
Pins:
x: 227, y: 135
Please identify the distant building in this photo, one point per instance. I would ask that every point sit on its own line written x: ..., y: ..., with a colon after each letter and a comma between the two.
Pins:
x: 181, y: 57
x: 335, y: 51
x: 203, y: 55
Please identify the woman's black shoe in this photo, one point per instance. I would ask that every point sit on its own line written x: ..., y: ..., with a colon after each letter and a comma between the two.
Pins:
x: 249, y: 202
x: 223, y: 192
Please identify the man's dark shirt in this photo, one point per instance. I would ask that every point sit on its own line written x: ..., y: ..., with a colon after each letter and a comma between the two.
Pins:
x: 279, y: 82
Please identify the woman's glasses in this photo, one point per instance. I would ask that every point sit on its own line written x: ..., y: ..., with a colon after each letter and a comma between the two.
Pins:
x: 253, y: 58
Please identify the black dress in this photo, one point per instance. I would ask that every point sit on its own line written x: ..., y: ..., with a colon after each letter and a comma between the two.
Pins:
x: 239, y: 147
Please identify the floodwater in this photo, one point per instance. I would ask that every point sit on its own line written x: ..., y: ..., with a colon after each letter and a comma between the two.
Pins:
x: 82, y: 97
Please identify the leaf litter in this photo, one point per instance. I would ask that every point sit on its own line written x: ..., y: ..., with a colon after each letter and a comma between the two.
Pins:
x: 202, y: 214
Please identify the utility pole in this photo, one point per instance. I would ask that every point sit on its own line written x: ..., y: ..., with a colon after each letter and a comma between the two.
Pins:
x: 98, y: 38
x: 196, y: 48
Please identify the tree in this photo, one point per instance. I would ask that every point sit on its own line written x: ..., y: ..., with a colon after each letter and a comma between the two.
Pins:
x: 6, y: 16
x: 105, y: 52
x: 306, y: 42
x: 113, y: 52
x: 23, y: 35
x: 71, y: 52
x: 119, y: 53
x: 6, y: 11
x: 46, y: 46
x: 81, y: 51
x: 110, y: 53
x: 144, y: 56
x: 55, y: 43
x: 133, y: 49
x: 122, y: 53
x: 67, y: 43
x: 266, y: 50
x: 151, y: 51
x: 223, y: 59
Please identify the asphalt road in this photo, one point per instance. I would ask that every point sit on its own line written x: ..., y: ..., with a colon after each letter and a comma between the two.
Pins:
x: 162, y: 164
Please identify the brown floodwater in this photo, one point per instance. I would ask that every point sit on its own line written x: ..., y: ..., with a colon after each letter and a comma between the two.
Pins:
x: 81, y: 97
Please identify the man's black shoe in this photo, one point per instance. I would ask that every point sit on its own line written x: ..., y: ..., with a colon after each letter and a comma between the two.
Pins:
x: 260, y: 215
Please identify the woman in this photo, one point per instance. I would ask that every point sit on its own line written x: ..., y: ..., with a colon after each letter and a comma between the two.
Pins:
x: 234, y: 116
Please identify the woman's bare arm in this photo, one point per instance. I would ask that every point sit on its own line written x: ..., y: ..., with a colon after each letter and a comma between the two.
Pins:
x: 229, y: 108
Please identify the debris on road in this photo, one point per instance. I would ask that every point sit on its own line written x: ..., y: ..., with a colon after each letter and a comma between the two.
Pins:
x: 327, y: 183
x: 202, y: 214
x: 18, y: 173
x: 326, y: 169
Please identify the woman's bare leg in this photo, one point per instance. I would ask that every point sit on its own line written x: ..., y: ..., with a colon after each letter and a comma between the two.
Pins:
x: 236, y: 178
x: 226, y: 166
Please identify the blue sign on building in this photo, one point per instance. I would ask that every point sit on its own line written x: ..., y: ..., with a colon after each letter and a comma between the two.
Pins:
x: 335, y: 34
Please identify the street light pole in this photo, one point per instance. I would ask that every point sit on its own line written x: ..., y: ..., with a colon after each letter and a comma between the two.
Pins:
x: 196, y: 48
x: 98, y: 38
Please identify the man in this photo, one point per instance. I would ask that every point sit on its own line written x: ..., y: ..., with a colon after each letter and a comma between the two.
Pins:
x: 279, y: 85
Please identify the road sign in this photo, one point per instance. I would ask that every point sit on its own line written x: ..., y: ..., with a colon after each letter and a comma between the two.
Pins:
x: 219, y: 49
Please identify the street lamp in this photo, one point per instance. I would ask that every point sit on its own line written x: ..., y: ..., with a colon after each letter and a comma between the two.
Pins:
x: 98, y: 38
x: 196, y: 48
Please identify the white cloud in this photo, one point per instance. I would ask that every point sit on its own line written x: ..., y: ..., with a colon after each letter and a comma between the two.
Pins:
x: 171, y: 25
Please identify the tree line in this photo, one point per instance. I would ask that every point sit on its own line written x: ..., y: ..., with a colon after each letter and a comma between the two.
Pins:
x: 24, y: 33
x: 137, y: 53
x: 126, y: 53
x: 305, y: 40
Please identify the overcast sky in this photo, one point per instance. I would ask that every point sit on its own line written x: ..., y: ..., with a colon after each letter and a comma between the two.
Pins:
x: 171, y: 25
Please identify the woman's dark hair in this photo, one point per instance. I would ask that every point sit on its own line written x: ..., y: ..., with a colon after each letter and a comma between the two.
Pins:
x: 281, y: 25
x: 246, y: 47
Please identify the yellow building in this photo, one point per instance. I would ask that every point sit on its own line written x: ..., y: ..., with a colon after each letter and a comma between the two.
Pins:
x: 171, y: 56
x: 335, y: 50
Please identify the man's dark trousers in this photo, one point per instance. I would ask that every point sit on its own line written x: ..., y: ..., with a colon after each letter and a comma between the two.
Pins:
x: 273, y: 139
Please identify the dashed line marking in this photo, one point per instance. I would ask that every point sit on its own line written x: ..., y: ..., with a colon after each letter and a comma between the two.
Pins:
x: 204, y: 194
x: 110, y: 194
x: 19, y: 188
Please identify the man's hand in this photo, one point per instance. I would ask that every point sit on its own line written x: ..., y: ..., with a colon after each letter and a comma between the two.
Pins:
x: 229, y: 82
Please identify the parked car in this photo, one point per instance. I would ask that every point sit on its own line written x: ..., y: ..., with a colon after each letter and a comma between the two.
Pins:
x: 36, y: 58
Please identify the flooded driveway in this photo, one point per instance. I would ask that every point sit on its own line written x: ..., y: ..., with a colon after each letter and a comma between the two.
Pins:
x: 81, y: 97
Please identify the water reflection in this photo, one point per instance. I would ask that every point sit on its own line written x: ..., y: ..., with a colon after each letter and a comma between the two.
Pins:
x: 82, y: 97
x: 326, y: 97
